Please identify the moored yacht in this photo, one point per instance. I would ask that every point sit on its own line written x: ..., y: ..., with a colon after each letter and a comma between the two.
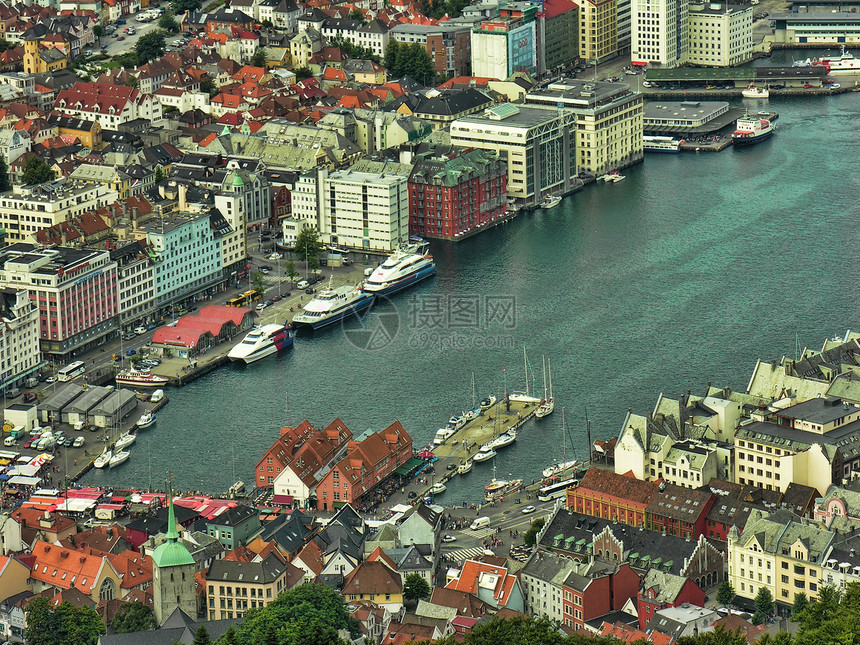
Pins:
x: 333, y: 305
x: 119, y: 458
x: 103, y: 459
x: 262, y: 341
x: 406, y: 266
x: 484, y: 455
x: 140, y: 379
x: 124, y: 441
x: 465, y: 467
x: 146, y: 420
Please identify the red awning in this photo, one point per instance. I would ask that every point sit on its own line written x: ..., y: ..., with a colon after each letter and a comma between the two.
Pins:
x: 286, y: 500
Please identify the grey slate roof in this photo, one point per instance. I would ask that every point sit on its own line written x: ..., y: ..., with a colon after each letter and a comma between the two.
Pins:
x: 452, y: 102
x: 233, y: 516
x: 265, y: 572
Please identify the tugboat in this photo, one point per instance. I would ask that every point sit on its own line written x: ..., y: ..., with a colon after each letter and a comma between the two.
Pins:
x: 751, y: 130
x: 753, y: 92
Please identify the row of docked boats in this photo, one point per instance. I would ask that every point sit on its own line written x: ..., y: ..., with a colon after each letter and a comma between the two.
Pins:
x: 407, y: 266
x: 118, y: 454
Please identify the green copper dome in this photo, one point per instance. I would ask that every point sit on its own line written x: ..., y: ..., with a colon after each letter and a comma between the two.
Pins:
x: 172, y: 553
x: 237, y: 180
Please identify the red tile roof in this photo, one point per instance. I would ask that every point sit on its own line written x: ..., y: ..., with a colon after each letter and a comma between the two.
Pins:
x: 605, y: 482
x: 97, y: 97
x: 372, y: 578
x: 66, y: 568
x: 475, y: 573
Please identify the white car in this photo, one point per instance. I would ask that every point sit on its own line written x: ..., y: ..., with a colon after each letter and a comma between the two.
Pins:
x: 79, y: 441
x: 139, y: 330
x: 275, y: 256
x: 261, y: 306
x: 528, y: 509
x: 448, y: 538
x: 303, y: 284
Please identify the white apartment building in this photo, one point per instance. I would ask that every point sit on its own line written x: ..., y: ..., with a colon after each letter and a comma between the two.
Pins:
x: 135, y: 283
x: 367, y: 210
x: 359, y: 210
x: 719, y: 35
x: 539, y: 143
x: 245, y: 202
x: 27, y: 209
x: 658, y: 32
x: 19, y: 337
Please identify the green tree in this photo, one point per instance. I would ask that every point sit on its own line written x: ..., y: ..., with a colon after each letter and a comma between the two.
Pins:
x: 356, y: 14
x: 5, y: 182
x: 150, y: 46
x: 290, y: 270
x: 725, y: 593
x: 530, y: 536
x: 823, y: 609
x: 392, y: 49
x: 229, y: 637
x: 36, y: 171
x: 259, y: 57
x: 800, y: 603
x: 201, y: 637
x: 309, y: 614
x: 181, y: 6
x: 763, y: 606
x: 98, y: 32
x: 159, y: 174
x: 168, y: 22
x: 133, y: 616
x: 718, y: 636
x: 267, y: 24
x: 208, y: 85
x: 308, y: 246
x: 257, y: 281
x: 302, y: 73
x: 5, y: 45
x: 64, y: 625
x: 415, y: 587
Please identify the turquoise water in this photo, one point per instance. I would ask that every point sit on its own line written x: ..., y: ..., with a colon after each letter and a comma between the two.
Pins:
x: 684, y: 273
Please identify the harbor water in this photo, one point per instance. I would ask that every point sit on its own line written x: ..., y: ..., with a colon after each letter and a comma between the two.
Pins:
x: 684, y: 273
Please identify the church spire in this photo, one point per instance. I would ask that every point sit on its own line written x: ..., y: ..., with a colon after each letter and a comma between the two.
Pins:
x: 172, y: 535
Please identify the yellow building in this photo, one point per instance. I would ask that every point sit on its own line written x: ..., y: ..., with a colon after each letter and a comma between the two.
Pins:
x: 609, y: 122
x: 780, y: 552
x: 89, y: 133
x: 235, y: 587
x: 39, y: 59
x: 375, y: 581
x: 110, y: 177
x: 598, y: 29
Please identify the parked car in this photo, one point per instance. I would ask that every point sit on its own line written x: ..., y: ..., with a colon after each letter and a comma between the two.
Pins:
x: 121, y: 38
x: 275, y: 256
x: 131, y: 352
x: 310, y: 290
x: 51, y: 379
x: 261, y: 306
x: 78, y: 442
x: 276, y: 298
x: 265, y: 267
x: 303, y: 284
x: 68, y: 442
x: 269, y: 303
x: 30, y: 397
x: 140, y: 330
x: 264, y: 270
x: 807, y: 86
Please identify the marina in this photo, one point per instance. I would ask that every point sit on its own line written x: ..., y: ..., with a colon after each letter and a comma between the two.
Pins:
x: 590, y: 249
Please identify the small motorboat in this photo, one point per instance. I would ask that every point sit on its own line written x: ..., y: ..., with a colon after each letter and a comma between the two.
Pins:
x: 487, y: 403
x: 465, y: 467
x: 550, y: 201
x: 437, y: 488
x: 146, y: 420
x: 484, y: 455
x: 124, y: 441
x: 103, y: 459
x: 471, y: 415
x: 119, y: 458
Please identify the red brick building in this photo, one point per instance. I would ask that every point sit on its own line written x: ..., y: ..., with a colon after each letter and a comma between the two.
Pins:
x: 369, y: 460
x: 454, y: 191
x: 596, y: 590
x: 303, y: 445
x: 656, y: 506
x: 621, y: 498
x: 660, y: 590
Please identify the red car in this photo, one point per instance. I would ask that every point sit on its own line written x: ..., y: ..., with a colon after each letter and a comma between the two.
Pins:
x: 807, y: 86
x: 125, y: 31
x: 29, y: 397
x: 121, y: 38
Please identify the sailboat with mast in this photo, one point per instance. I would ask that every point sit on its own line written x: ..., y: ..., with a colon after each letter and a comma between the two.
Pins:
x: 498, y: 487
x: 548, y: 404
x: 524, y: 396
x: 564, y: 465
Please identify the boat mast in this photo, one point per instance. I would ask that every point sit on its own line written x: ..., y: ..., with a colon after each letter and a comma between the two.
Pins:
x: 549, y: 367
x: 474, y: 398
x: 526, y: 368
x: 544, y: 378
x: 563, y: 439
x: 588, y: 435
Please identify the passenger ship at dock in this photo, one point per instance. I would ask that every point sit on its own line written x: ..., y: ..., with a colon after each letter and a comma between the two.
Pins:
x: 406, y: 266
x: 331, y: 306
x: 661, y: 144
x: 261, y: 342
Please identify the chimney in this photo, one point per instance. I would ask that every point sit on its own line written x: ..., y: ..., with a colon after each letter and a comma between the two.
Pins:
x: 182, y: 194
x: 124, y: 210
x: 134, y: 217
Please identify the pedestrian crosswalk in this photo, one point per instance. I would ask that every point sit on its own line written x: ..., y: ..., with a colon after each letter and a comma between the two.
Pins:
x: 461, y: 555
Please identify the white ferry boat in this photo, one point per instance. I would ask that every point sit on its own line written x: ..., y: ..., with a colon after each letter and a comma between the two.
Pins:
x: 406, y: 266
x: 753, y: 92
x: 844, y: 63
x: 661, y: 144
x: 333, y: 305
x: 262, y: 341
x: 140, y: 379
x: 751, y: 130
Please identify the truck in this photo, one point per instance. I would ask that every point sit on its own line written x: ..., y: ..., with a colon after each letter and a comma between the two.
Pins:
x: 17, y: 432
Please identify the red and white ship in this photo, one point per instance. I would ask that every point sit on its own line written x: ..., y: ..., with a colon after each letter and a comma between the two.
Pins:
x: 140, y: 379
